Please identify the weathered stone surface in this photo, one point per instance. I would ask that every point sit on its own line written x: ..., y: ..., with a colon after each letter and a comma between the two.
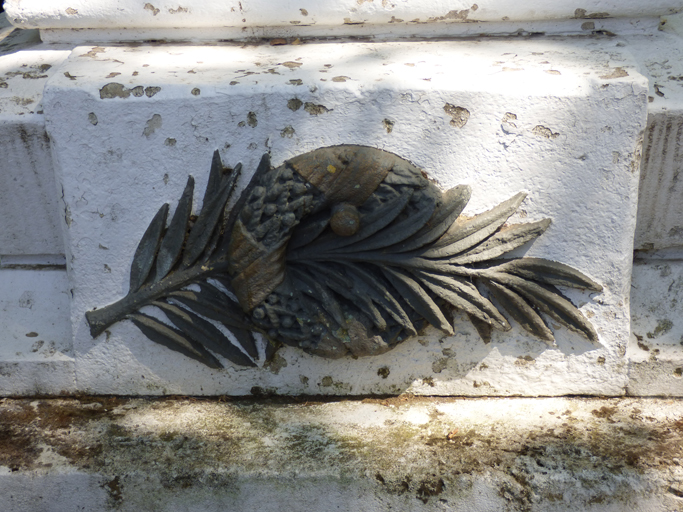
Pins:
x: 404, y: 453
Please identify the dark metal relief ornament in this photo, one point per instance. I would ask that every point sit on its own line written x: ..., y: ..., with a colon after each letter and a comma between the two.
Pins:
x: 346, y: 250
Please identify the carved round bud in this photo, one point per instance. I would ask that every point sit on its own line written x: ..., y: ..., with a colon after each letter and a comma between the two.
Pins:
x: 345, y: 219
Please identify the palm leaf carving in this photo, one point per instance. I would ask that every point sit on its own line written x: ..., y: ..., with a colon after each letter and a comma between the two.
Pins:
x: 276, y: 264
x: 164, y: 265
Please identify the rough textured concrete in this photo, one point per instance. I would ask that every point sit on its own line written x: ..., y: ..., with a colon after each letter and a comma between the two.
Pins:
x: 544, y: 116
x: 404, y: 453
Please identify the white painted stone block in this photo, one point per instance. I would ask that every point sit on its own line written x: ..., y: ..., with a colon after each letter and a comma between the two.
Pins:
x: 28, y: 196
x: 248, y: 13
x: 660, y: 209
x: 560, y: 119
x: 656, y: 349
x: 36, y: 357
x: 84, y: 21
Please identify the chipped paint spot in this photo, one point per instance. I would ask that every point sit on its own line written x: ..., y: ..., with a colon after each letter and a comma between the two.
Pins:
x: 588, y: 25
x: 304, y: 12
x: 291, y: 64
x: 546, y: 133
x: 151, y: 91
x: 296, y: 81
x: 553, y: 72
x: 93, y: 53
x: 92, y: 118
x: 114, y: 90
x: 151, y: 8
x: 294, y: 104
x: 169, y: 142
x: 340, y: 79
x: 153, y: 124
x: 71, y: 11
x: 617, y: 72
x: 459, y: 115
x: 583, y: 14
x: 315, y: 110
x: 178, y: 10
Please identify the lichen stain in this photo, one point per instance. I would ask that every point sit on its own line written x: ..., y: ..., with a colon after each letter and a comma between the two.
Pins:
x: 546, y: 133
x: 169, y: 142
x: 314, y: 109
x: 178, y: 10
x: 287, y: 131
x: 196, y: 91
x: 92, y: 118
x: 151, y: 8
x: 112, y: 74
x: 388, y: 125
x: 153, y: 124
x: 383, y: 372
x: 251, y: 119
x: 291, y: 64
x: 340, y: 79
x: 304, y: 12
x: 459, y: 115
x: 71, y: 11
x: 662, y: 328
x: 296, y: 81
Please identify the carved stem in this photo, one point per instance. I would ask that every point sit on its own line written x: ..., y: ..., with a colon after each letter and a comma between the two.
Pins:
x: 101, y: 319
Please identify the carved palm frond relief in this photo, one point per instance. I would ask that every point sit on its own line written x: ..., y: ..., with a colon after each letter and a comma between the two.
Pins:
x: 346, y: 250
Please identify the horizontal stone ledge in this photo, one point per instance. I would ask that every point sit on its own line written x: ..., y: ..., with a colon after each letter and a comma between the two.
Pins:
x: 402, y: 453
x: 385, y: 31
x: 249, y: 13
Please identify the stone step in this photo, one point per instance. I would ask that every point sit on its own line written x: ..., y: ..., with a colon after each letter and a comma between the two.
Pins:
x: 402, y: 453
